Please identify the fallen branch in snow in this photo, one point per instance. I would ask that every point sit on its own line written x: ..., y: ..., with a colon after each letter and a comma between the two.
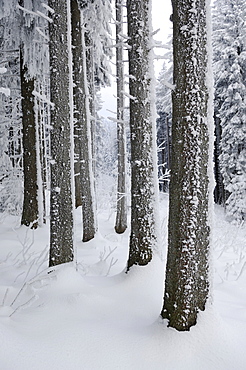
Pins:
x: 241, y: 271
x: 26, y: 245
x: 5, y: 296
x: 22, y: 288
x: 112, y: 263
x: 43, y: 254
x: 26, y: 304
x: 18, y: 276
x: 102, y: 254
x: 103, y: 258
x: 8, y: 256
x: 28, y: 271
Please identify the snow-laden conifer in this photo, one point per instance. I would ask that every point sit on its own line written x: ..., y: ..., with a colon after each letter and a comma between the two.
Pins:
x: 229, y: 43
x: 11, y: 175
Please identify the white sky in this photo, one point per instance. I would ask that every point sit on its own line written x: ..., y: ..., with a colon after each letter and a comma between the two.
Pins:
x: 161, y: 11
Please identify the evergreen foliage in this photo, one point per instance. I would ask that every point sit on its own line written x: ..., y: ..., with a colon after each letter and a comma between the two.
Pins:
x: 11, y: 174
x: 229, y: 43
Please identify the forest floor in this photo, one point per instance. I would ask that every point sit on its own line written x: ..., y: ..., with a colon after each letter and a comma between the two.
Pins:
x: 93, y: 316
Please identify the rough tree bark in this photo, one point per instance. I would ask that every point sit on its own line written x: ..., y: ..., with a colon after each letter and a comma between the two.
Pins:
x: 30, y: 213
x: 187, y: 281
x: 61, y: 198
x: 90, y: 75
x: 121, y: 215
x: 142, y: 124
x: 84, y: 174
x: 77, y: 56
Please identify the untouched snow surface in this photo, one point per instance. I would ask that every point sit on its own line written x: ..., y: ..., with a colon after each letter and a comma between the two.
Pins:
x: 94, y: 316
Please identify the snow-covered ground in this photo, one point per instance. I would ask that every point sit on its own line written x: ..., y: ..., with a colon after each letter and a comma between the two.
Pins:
x: 94, y: 316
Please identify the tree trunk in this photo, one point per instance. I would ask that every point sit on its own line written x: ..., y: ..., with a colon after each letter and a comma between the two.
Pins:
x: 187, y: 283
x: 121, y: 215
x: 90, y: 75
x: 220, y: 194
x: 82, y: 126
x: 30, y: 202
x: 142, y: 124
x: 77, y: 56
x: 61, y: 200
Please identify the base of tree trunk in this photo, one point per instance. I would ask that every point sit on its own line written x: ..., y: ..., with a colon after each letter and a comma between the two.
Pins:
x: 120, y: 229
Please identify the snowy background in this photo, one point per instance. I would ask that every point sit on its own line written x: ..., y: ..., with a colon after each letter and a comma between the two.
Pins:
x: 92, y: 315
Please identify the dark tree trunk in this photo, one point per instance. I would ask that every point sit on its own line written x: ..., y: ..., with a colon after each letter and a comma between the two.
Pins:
x: 61, y: 202
x: 187, y: 282
x: 77, y: 56
x: 90, y: 75
x: 220, y: 194
x: 142, y: 121
x: 30, y: 202
x: 163, y: 145
x: 121, y: 215
x: 85, y: 192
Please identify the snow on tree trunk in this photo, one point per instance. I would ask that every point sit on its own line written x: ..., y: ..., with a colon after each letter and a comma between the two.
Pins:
x: 82, y: 127
x: 121, y: 215
x: 220, y: 194
x: 61, y: 200
x: 30, y: 203
x: 77, y: 56
x: 90, y: 75
x: 142, y: 126
x: 164, y: 111
x: 187, y: 282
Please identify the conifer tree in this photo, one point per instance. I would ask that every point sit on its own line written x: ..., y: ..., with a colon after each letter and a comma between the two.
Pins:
x: 187, y: 270
x: 11, y: 164
x: 61, y: 198
x: 84, y: 179
x: 121, y: 215
x: 30, y: 202
x: 142, y: 130
x: 229, y: 43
